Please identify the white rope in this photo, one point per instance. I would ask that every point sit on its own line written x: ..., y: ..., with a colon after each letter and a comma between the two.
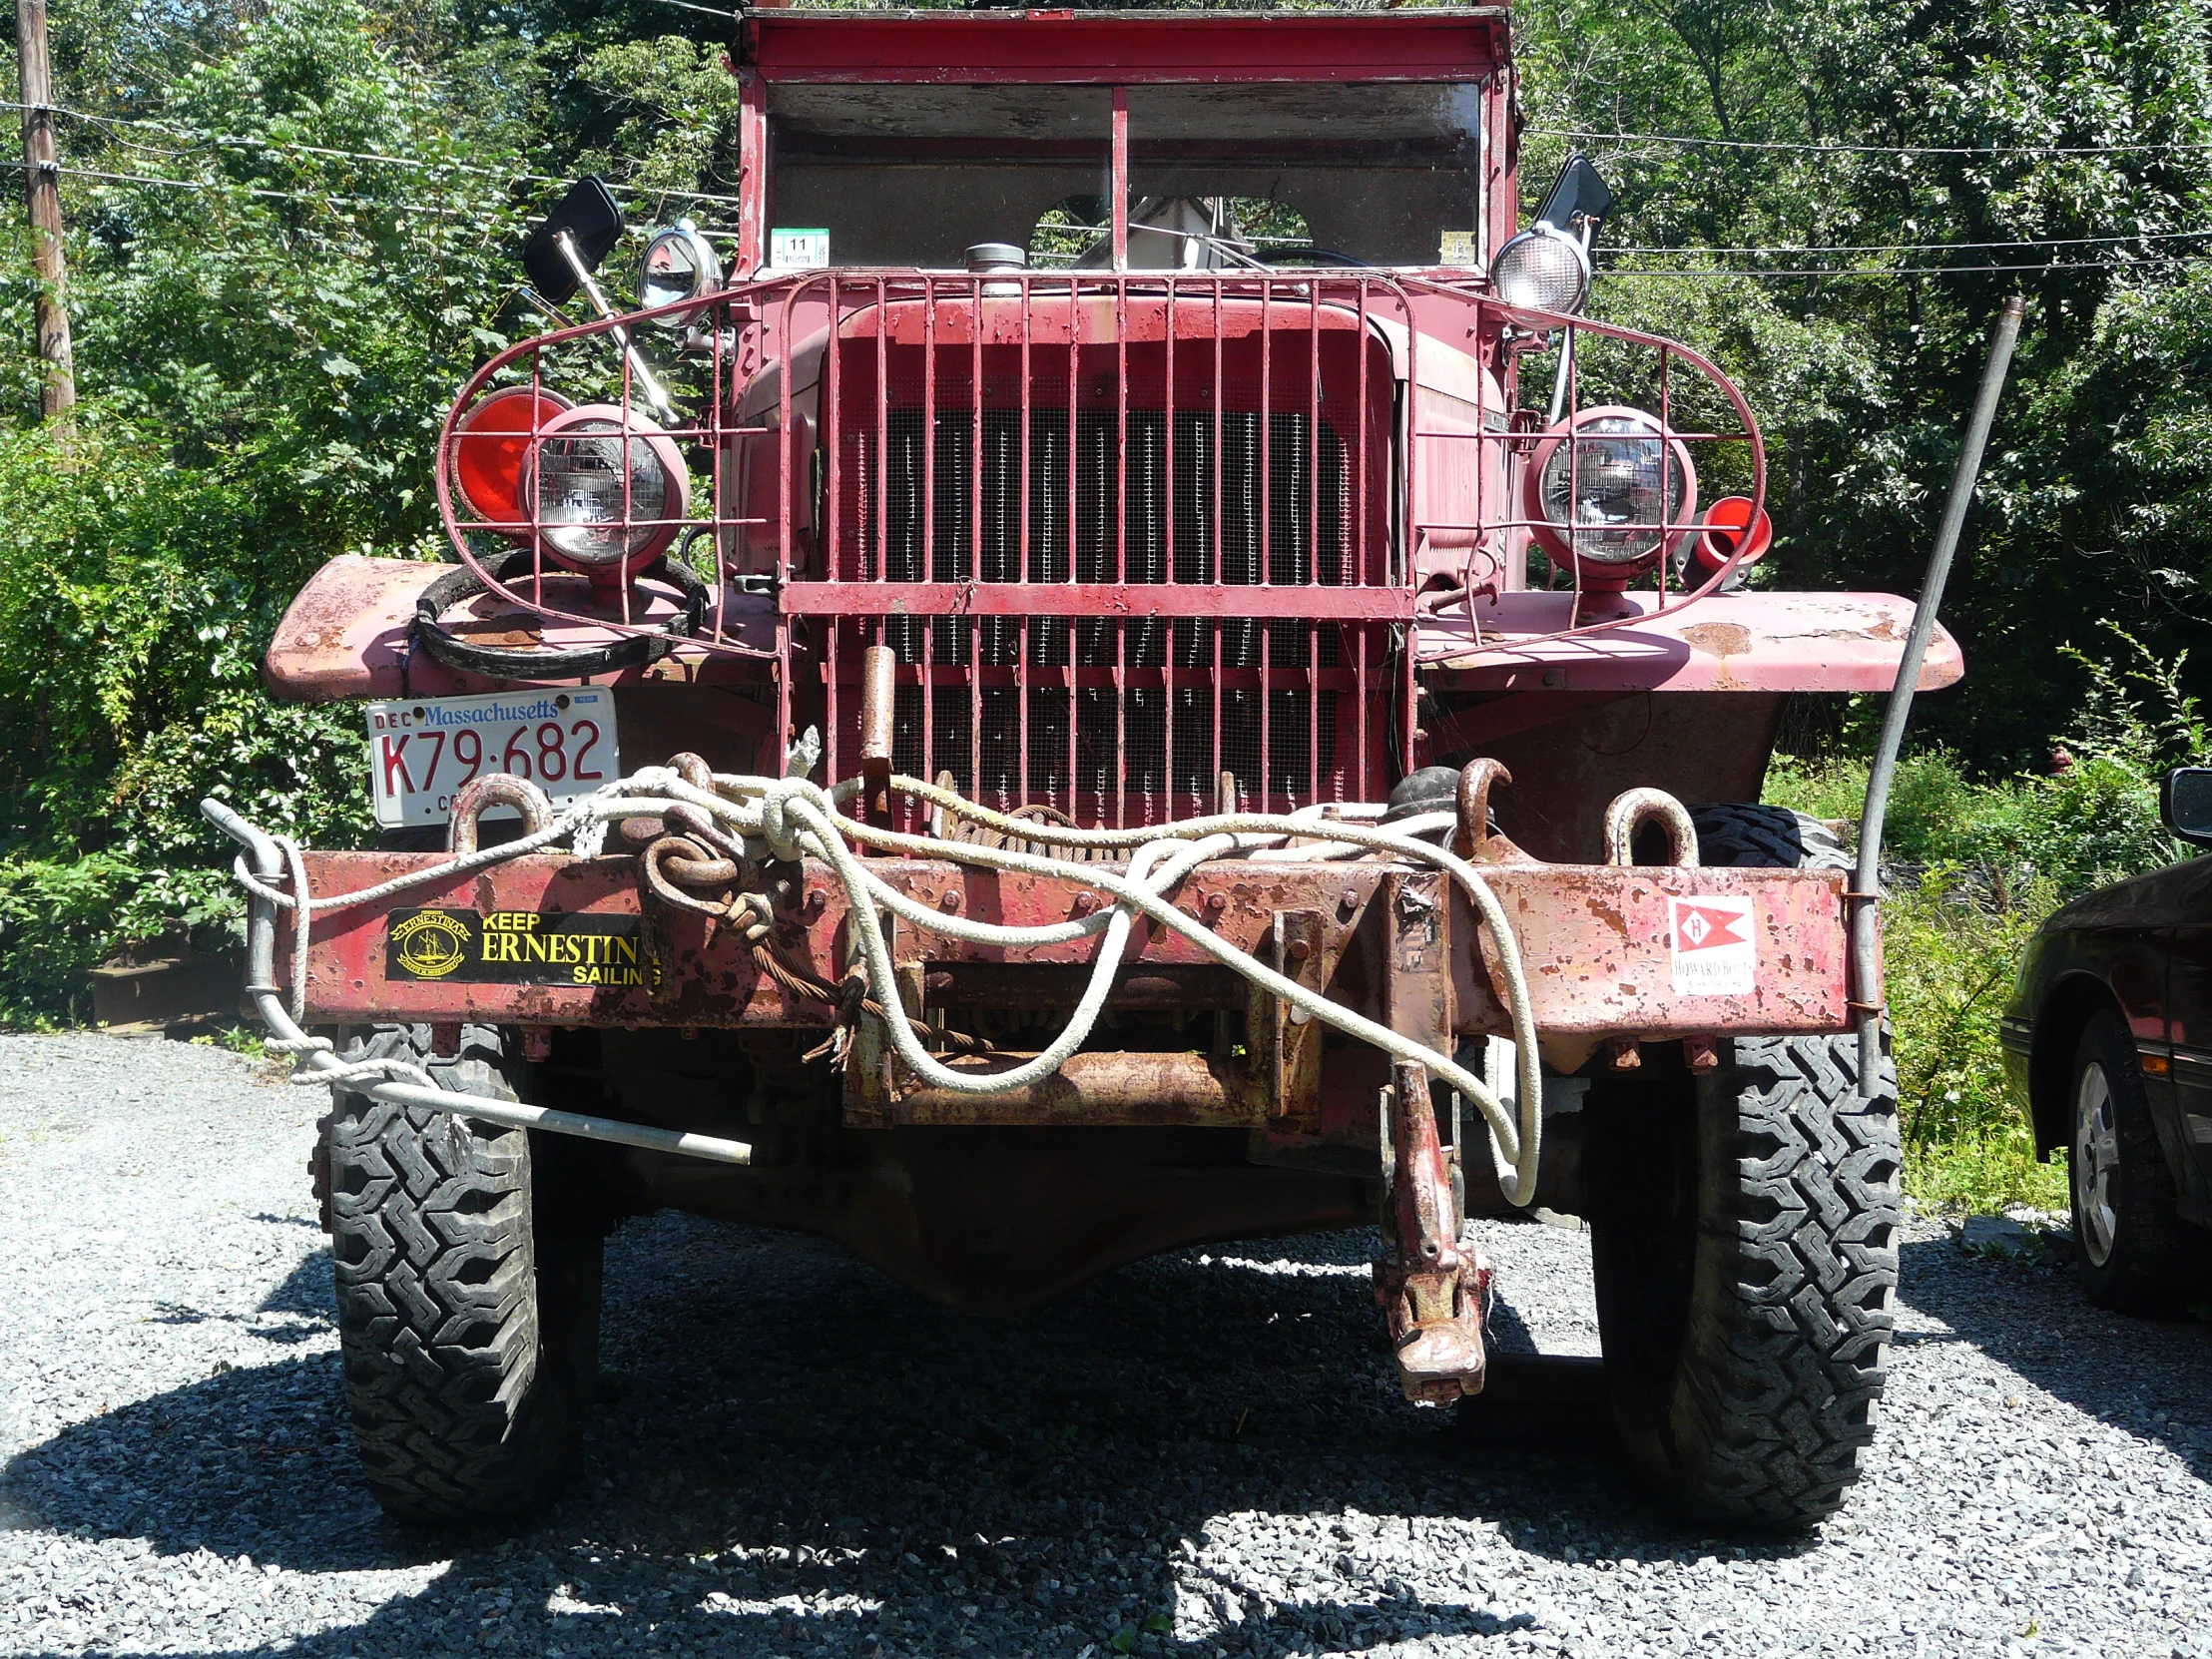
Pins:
x: 790, y: 808
x: 302, y: 919
x: 789, y: 818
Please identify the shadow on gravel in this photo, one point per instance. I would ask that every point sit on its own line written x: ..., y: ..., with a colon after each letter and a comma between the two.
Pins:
x: 2151, y: 1377
x: 784, y: 1423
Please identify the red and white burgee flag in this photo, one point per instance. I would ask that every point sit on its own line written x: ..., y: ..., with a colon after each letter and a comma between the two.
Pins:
x: 1712, y: 945
x: 1710, y: 926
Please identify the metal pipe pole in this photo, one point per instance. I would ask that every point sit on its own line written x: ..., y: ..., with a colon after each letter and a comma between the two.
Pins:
x: 1864, y: 974
x: 42, y: 185
x: 269, y: 1003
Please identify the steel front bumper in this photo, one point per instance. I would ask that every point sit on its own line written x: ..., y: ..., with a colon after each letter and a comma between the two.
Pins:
x: 1641, y: 953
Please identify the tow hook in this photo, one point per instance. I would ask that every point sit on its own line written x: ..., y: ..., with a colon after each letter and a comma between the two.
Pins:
x: 1431, y: 1287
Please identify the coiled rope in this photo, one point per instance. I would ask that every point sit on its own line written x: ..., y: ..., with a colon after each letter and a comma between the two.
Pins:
x: 791, y: 818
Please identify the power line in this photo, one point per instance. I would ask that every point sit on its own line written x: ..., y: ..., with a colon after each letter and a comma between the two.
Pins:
x: 1890, y: 273
x: 2143, y: 147
x: 1904, y: 246
x: 318, y: 198
x: 705, y: 11
x: 415, y: 161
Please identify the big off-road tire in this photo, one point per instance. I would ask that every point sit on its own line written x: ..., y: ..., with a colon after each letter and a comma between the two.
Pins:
x: 1743, y: 1230
x: 468, y: 1302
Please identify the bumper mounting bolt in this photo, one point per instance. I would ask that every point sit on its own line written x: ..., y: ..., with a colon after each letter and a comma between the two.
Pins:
x: 1085, y: 903
x: 949, y: 899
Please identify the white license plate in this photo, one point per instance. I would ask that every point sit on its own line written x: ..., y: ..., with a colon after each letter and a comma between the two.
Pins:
x: 423, y: 751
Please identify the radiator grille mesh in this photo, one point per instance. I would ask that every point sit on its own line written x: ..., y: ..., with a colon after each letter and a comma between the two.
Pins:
x: 1109, y: 718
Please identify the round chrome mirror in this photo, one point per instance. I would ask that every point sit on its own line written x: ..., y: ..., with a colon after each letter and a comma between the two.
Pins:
x: 680, y: 263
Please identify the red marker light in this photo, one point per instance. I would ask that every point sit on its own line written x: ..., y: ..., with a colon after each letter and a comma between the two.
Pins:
x: 489, y: 445
x: 1730, y: 522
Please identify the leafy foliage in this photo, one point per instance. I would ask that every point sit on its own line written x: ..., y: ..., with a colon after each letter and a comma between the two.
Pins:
x: 1977, y: 867
x: 1927, y: 161
x: 264, y: 350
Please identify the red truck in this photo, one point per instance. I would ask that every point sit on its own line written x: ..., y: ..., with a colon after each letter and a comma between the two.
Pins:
x: 1177, y: 688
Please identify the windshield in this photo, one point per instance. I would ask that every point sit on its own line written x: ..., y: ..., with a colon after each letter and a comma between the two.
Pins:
x: 1219, y: 176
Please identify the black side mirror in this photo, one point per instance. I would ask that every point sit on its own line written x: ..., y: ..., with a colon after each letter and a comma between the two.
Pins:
x: 2185, y: 803
x: 1578, y: 193
x: 593, y: 219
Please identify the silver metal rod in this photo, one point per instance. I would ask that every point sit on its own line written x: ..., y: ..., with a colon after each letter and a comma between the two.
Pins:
x: 519, y: 1116
x: 261, y: 971
x: 653, y: 392
x: 1564, y: 376
x: 1879, y: 775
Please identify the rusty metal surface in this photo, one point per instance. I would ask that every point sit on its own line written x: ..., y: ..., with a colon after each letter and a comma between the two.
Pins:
x: 345, y: 635
x: 1597, y: 942
x: 1095, y: 1088
x: 1416, y: 917
x: 1697, y: 746
x: 1764, y: 640
x: 1600, y: 951
x: 1431, y: 1285
x: 1028, y: 988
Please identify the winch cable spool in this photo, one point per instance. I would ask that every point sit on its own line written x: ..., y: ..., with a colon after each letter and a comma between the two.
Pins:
x: 792, y: 817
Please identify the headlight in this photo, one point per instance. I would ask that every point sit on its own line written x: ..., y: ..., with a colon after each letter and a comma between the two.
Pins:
x: 1612, y: 491
x: 1543, y: 269
x: 679, y: 265
x: 606, y: 495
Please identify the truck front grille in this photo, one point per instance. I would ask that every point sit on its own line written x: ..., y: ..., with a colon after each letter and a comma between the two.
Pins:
x: 1119, y: 580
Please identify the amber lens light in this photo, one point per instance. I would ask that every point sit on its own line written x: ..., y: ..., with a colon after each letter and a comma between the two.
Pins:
x: 1615, y: 481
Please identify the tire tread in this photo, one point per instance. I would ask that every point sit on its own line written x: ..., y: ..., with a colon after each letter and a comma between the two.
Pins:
x: 462, y: 1411
x: 1785, y: 1353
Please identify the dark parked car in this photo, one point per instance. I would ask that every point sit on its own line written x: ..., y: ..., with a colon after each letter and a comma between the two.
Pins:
x: 2108, y: 1039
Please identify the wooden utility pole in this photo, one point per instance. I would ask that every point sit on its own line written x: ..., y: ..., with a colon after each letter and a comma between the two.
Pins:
x: 42, y: 182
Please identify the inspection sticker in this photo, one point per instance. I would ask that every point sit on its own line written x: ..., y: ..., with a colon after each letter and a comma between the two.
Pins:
x: 1714, y: 955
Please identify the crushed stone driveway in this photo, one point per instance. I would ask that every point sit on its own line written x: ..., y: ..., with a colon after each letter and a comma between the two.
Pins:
x: 1202, y: 1454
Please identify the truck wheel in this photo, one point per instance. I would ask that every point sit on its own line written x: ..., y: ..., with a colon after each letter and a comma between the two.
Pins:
x: 469, y: 1314
x: 2126, y: 1223
x: 1743, y: 1226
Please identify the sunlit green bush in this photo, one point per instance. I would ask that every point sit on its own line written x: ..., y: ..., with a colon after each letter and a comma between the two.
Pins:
x: 1977, y: 867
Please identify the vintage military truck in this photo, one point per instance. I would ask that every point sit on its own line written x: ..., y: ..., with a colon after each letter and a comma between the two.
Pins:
x: 1164, y: 658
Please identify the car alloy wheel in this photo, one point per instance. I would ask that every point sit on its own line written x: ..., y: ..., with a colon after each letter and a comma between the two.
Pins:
x: 2097, y: 1163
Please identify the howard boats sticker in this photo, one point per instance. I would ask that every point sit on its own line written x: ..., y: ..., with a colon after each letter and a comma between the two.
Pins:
x: 1713, y: 950
x: 517, y: 947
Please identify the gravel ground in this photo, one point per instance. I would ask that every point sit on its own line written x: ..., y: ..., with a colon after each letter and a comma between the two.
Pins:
x: 1199, y: 1455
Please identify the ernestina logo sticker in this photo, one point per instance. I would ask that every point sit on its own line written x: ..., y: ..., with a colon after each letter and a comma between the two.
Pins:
x: 1714, y: 955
